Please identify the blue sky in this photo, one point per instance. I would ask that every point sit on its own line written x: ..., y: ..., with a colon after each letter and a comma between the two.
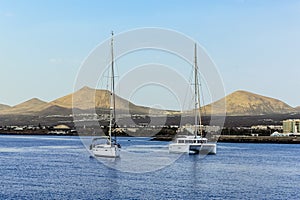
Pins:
x: 254, y: 43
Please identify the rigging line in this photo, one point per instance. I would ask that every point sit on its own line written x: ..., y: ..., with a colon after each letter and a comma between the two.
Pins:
x: 105, y: 83
x: 197, y: 97
x: 117, y: 74
x: 187, y: 91
x: 201, y: 90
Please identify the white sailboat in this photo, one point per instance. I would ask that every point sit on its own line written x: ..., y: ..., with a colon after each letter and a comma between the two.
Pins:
x: 194, y: 144
x: 110, y: 147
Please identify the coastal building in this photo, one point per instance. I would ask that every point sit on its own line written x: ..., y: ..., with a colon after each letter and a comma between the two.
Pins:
x: 190, y: 128
x: 62, y: 127
x: 267, y: 127
x: 291, y: 126
x: 260, y: 127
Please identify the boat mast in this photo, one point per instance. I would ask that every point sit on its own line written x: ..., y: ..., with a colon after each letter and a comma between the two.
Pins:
x: 112, y: 122
x: 197, y: 97
x: 113, y: 83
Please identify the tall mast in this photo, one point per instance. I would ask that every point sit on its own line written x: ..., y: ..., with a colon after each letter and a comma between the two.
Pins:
x: 113, y: 81
x: 197, y: 97
x: 112, y: 98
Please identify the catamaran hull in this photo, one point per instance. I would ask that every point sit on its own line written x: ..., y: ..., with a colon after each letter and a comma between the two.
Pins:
x: 207, y: 148
x: 109, y: 152
x: 178, y: 148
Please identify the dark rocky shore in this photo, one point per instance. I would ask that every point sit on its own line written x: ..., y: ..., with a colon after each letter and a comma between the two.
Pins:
x: 246, y: 139
x: 35, y: 132
x: 259, y: 139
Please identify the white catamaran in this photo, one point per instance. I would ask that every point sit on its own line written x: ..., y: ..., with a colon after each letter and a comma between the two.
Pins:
x: 195, y: 143
x: 110, y: 147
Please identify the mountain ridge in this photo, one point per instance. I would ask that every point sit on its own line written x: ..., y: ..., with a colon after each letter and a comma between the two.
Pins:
x: 83, y: 99
x: 237, y: 103
x: 30, y: 106
x: 4, y: 107
x: 246, y: 103
x: 297, y: 108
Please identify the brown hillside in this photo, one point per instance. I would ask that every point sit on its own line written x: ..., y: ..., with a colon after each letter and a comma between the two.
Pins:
x: 297, y: 109
x: 4, y: 107
x: 246, y: 103
x: 87, y: 98
x: 83, y: 99
x: 54, y: 110
x: 27, y: 107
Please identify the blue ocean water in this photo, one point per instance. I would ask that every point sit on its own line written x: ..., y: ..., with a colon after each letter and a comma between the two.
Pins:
x: 59, y: 167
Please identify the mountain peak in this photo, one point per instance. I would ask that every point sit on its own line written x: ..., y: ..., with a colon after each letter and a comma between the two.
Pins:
x: 84, y: 98
x: 86, y: 88
x: 247, y: 103
x: 29, y: 106
x: 242, y: 92
x: 4, y: 107
x: 31, y: 102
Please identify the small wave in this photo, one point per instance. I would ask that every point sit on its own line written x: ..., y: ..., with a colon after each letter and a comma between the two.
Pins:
x: 62, y: 138
x: 149, y: 146
x: 146, y: 148
x: 228, y: 147
x: 11, y: 150
x: 17, y: 149
x: 59, y: 147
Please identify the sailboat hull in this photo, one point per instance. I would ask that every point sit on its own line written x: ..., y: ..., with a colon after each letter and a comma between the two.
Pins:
x: 193, y: 149
x: 110, y: 151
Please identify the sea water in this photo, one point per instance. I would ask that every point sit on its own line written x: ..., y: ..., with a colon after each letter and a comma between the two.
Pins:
x: 60, y: 167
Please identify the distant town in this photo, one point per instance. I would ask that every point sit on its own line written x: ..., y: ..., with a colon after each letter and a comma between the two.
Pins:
x: 143, y: 125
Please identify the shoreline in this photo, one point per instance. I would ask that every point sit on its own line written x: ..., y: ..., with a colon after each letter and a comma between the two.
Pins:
x: 221, y: 139
x: 246, y: 139
x: 259, y: 139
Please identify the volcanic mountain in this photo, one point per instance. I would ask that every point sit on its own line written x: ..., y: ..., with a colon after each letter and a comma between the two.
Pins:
x: 27, y: 107
x: 84, y: 99
x: 87, y: 98
x: 4, y: 107
x: 245, y: 103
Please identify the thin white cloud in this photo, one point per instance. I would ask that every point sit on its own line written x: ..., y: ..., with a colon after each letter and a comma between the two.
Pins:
x: 63, y: 61
x: 8, y: 14
x: 55, y: 60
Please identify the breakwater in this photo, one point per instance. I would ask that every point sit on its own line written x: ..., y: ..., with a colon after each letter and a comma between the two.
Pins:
x: 259, y: 139
x: 244, y: 139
